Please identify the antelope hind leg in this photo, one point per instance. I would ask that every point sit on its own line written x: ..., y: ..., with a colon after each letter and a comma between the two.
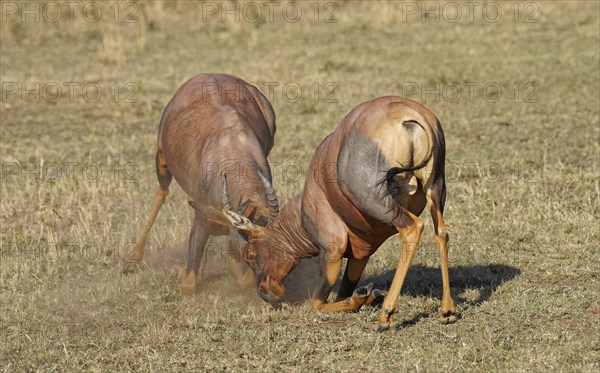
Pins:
x: 447, y: 311
x: 164, y: 179
x: 131, y: 262
x: 410, y: 227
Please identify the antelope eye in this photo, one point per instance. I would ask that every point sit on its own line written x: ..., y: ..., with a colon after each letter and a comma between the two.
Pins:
x: 250, y: 253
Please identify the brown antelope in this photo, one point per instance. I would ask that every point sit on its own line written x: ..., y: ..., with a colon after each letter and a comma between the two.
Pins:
x: 368, y: 180
x: 214, y: 124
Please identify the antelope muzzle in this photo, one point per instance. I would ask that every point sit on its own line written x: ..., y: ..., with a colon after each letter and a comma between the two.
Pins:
x: 271, y: 291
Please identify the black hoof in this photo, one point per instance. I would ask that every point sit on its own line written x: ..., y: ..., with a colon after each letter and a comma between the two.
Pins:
x: 363, y: 291
x: 383, y: 327
x: 379, y: 293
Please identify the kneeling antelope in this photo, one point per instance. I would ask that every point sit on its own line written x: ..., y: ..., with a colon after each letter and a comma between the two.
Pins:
x: 368, y: 180
x: 214, y: 123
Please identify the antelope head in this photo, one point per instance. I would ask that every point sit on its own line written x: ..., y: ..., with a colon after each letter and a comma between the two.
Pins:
x: 262, y: 246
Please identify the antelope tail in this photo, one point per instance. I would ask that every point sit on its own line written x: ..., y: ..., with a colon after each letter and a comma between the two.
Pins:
x: 391, y: 186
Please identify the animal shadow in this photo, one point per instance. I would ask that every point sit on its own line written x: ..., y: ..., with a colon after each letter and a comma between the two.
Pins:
x: 427, y: 281
x: 420, y: 281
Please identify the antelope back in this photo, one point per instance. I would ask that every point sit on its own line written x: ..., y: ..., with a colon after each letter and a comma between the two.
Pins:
x: 218, y: 125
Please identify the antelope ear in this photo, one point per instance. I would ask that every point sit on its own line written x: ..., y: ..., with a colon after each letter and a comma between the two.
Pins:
x: 209, y: 213
x: 243, y: 224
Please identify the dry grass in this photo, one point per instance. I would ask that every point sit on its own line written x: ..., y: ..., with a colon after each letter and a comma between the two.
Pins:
x: 522, y: 207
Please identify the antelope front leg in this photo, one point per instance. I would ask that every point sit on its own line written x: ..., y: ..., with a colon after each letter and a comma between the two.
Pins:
x: 360, y: 297
x: 352, y: 275
x: 330, y: 269
x: 242, y: 274
x: 410, y: 232
x: 363, y: 296
x: 198, y: 238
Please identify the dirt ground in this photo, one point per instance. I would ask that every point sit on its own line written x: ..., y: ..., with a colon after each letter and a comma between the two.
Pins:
x: 515, y: 85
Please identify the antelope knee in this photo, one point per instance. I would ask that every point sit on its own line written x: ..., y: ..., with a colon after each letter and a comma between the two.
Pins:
x: 443, y: 233
x: 420, y: 225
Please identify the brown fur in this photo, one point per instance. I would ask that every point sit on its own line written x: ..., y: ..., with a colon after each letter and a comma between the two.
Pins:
x: 370, y: 179
x: 215, y: 124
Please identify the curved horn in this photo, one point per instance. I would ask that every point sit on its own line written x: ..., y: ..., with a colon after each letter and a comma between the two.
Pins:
x: 225, y: 195
x: 271, y: 197
x: 226, y: 202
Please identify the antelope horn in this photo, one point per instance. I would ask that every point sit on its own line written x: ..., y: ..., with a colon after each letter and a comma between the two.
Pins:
x: 225, y: 196
x: 271, y: 197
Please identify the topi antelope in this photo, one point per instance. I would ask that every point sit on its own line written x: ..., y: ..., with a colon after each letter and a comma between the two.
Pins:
x: 214, y: 124
x: 368, y: 180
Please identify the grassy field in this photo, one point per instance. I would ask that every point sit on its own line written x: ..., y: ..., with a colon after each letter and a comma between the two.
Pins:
x: 516, y: 92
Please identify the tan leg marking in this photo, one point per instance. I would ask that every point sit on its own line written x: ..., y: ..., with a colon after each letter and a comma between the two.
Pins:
x: 410, y: 235
x: 448, y: 310
x: 242, y: 274
x: 361, y: 296
x: 188, y: 284
x: 352, y: 304
x: 332, y: 270
x: 132, y: 260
